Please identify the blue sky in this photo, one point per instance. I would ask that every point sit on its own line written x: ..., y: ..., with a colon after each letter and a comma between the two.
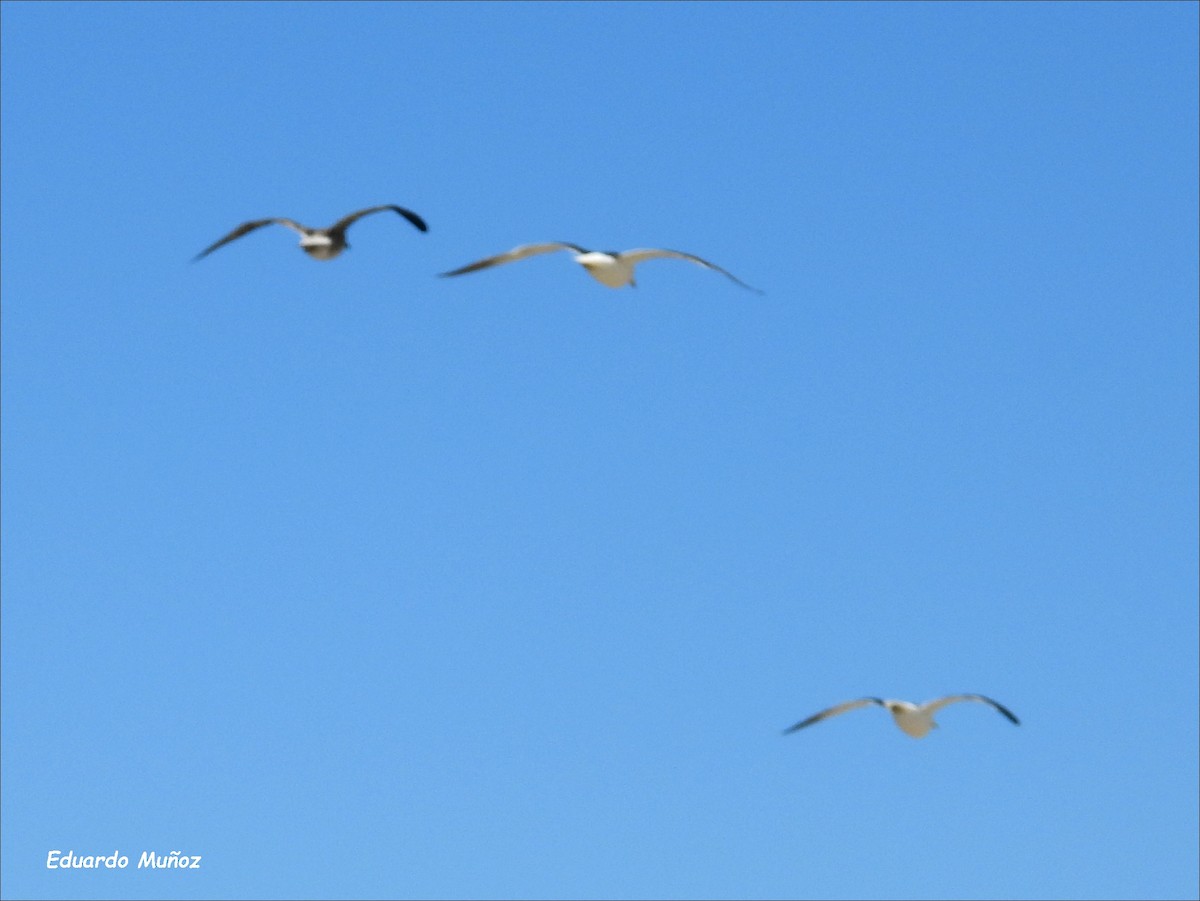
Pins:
x: 363, y: 583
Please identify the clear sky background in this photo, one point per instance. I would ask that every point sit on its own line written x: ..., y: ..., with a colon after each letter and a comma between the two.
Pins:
x: 363, y: 583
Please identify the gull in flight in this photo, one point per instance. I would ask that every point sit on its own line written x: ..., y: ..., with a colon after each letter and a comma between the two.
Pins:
x: 612, y: 268
x: 318, y: 243
x: 914, y: 719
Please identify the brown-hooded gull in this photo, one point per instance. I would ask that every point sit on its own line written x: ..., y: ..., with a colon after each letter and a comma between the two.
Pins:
x: 318, y: 243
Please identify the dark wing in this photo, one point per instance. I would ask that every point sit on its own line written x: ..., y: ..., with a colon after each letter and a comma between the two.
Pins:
x: 833, y: 711
x: 650, y: 253
x: 244, y: 229
x: 344, y: 223
x: 517, y: 253
x: 933, y: 706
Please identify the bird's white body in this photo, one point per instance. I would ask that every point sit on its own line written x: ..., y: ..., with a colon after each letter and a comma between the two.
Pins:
x: 321, y: 246
x: 606, y: 268
x: 915, y: 720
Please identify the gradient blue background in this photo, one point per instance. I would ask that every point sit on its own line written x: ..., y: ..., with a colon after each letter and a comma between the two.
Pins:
x: 362, y: 583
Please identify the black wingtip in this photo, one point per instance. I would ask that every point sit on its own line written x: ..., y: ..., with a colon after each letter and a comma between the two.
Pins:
x: 412, y: 217
x: 802, y: 724
x: 1000, y: 708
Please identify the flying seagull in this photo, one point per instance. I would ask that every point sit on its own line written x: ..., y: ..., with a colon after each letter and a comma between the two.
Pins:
x: 318, y: 243
x: 612, y: 268
x: 914, y: 719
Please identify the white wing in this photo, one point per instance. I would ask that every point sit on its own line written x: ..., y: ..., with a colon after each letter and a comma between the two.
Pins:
x: 649, y: 253
x: 833, y: 711
x: 517, y: 253
x: 934, y: 706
